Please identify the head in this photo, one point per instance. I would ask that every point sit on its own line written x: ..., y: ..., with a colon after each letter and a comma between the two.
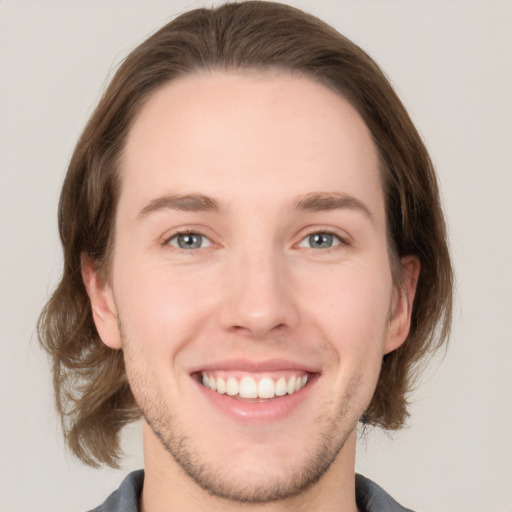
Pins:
x: 230, y: 48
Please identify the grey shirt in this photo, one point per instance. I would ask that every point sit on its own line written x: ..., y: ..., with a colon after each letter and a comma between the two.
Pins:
x: 369, y: 496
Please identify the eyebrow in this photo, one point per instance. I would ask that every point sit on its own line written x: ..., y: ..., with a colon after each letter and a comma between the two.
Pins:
x: 322, y: 201
x: 313, y: 202
x: 182, y: 202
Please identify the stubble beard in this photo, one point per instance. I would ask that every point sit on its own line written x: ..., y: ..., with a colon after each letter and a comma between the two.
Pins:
x: 291, y: 483
x: 331, y: 436
x: 322, y: 452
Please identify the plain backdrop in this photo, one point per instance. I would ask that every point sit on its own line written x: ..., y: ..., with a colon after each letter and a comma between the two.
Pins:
x: 451, y: 63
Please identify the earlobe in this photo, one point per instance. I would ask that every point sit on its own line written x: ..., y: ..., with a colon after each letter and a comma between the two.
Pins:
x: 401, y: 308
x: 103, y: 307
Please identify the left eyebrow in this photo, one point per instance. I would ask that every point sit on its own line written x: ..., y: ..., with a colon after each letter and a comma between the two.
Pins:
x: 321, y: 201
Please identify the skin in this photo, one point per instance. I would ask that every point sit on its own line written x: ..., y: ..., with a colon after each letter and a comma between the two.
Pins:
x: 257, y: 144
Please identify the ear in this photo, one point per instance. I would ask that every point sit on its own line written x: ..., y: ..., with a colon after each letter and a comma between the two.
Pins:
x: 401, y: 306
x: 103, y: 306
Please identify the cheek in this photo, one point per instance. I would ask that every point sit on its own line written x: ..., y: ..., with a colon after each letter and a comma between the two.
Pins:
x: 159, y: 306
x: 352, y: 308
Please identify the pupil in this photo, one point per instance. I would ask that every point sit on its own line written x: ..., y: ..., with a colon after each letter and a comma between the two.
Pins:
x: 320, y: 240
x: 189, y: 241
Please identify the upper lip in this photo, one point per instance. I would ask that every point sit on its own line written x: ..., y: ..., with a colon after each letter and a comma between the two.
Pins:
x: 252, y: 366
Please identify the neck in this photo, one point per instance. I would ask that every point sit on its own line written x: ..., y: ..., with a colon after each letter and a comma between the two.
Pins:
x: 168, y: 487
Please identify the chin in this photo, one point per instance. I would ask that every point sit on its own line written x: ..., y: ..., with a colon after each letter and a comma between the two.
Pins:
x: 257, y: 472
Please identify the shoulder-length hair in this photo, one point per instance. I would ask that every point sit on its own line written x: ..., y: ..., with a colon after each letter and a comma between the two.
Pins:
x: 92, y: 393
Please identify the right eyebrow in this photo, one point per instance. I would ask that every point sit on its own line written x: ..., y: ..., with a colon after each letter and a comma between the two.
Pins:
x: 183, y: 202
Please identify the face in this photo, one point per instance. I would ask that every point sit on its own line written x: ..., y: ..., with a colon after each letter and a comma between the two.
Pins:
x: 251, y: 289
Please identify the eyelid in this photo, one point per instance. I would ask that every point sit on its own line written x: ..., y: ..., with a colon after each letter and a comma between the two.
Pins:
x: 205, y: 241
x: 187, y: 230
x: 343, y: 237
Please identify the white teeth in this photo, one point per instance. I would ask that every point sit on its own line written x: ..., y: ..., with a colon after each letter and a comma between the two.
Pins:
x: 231, y: 386
x: 221, y: 386
x: 266, y: 388
x: 290, y: 388
x: 247, y: 387
x: 281, y: 387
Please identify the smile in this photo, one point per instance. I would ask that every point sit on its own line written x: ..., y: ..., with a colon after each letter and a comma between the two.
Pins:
x: 249, y: 387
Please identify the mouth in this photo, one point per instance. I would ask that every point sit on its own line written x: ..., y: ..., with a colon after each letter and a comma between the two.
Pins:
x: 254, y: 387
x: 257, y: 392
x: 260, y: 393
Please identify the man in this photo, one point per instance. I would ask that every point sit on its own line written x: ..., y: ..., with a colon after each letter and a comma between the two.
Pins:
x: 255, y: 261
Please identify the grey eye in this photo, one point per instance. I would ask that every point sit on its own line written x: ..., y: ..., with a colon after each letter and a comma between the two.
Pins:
x: 189, y: 241
x: 320, y: 241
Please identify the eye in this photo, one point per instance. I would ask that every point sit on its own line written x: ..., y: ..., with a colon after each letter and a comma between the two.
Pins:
x: 189, y: 241
x: 322, y: 240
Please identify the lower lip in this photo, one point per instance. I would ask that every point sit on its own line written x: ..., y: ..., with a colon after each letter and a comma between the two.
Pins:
x: 268, y: 411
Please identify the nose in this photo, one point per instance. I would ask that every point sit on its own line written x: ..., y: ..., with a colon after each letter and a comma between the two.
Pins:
x: 259, y: 296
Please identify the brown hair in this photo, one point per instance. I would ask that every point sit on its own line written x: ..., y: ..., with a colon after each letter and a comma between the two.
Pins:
x: 92, y: 393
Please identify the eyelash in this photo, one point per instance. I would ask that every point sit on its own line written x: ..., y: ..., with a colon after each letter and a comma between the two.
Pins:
x: 186, y: 232
x: 341, y: 241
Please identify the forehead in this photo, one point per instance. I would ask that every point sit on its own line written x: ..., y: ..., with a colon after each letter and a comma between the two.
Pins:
x: 240, y: 134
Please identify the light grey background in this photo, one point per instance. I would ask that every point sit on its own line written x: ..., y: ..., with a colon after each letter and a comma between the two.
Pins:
x: 450, y: 62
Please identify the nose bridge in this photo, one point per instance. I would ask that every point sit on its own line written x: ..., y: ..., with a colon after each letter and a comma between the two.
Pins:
x: 259, y: 297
